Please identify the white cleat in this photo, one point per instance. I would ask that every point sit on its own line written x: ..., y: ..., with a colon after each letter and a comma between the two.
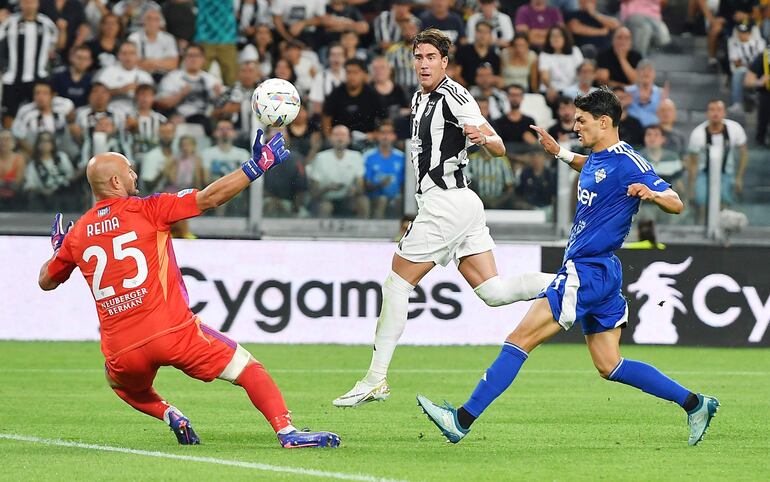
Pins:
x: 362, y: 393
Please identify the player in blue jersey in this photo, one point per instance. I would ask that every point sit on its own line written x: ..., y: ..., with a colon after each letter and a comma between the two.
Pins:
x: 614, y: 179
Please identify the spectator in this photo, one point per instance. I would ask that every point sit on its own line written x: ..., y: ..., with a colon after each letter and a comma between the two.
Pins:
x: 616, y: 65
x: 492, y: 179
x: 154, y: 163
x: 400, y: 56
x: 352, y: 104
x: 305, y: 64
x: 645, y: 230
x: 249, y: 14
x: 586, y: 75
x: 223, y: 157
x: 629, y: 128
x: 105, y: 136
x: 558, y: 63
x: 758, y: 78
x: 674, y: 138
x: 12, y: 167
x: 74, y: 81
x: 70, y: 18
x: 158, y: 53
x: 390, y: 97
x: 350, y: 42
x: 186, y: 169
x: 336, y: 178
x: 285, y: 193
x: 667, y: 163
x: 104, y: 48
x: 645, y: 95
x: 45, y: 113
x: 263, y: 50
x: 131, y: 13
x: 235, y: 103
x: 562, y: 130
x: 537, y: 184
x: 590, y: 27
x: 438, y: 15
x: 124, y: 77
x: 326, y: 80
x: 566, y: 6
x: 485, y: 87
x: 145, y: 125
x: 742, y: 49
x: 519, y: 64
x: 514, y: 126
x: 341, y: 17
x: 729, y: 14
x: 719, y: 142
x: 284, y: 70
x: 502, y: 26
x: 535, y: 19
x: 303, y: 135
x: 190, y: 91
x: 98, y: 107
x: 180, y: 21
x: 644, y: 19
x: 298, y: 19
x: 470, y: 56
x: 387, y: 25
x: 217, y: 32
x: 27, y: 42
x: 384, y: 173
x: 48, y: 177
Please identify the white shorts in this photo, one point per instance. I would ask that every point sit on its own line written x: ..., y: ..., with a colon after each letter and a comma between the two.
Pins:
x: 450, y: 224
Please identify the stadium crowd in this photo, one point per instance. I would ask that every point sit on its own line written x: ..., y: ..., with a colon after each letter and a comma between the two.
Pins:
x: 80, y: 77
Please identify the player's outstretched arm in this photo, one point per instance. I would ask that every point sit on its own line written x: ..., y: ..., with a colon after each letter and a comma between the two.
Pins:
x: 57, y: 239
x: 667, y: 200
x: 227, y: 187
x: 485, y: 136
x: 575, y: 161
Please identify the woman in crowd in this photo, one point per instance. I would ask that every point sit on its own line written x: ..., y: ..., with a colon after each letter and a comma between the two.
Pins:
x: 48, y: 177
x: 519, y: 64
x: 12, y: 165
x: 558, y: 63
x: 104, y: 48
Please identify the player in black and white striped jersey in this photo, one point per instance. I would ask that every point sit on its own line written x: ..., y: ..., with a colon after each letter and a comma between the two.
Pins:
x: 450, y: 223
x: 27, y: 40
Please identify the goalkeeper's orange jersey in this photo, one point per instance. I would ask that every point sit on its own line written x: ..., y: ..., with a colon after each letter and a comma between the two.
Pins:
x: 123, y: 248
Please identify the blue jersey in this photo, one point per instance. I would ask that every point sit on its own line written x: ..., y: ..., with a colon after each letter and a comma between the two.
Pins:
x: 604, y: 209
x: 378, y: 168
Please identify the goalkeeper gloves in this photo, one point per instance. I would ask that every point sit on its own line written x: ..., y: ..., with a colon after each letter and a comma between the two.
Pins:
x: 58, y: 232
x: 265, y: 157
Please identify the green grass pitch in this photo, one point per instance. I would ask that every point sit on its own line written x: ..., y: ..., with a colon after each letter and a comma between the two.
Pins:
x: 559, y: 420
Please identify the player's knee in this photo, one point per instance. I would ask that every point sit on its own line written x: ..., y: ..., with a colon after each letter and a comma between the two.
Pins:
x: 492, y: 292
x: 240, y: 360
x: 605, y: 369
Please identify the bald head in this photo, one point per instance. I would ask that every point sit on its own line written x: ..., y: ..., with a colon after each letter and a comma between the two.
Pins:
x: 110, y: 175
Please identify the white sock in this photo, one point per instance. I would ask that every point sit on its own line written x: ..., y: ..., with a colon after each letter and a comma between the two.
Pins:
x: 390, y: 325
x: 497, y: 291
x: 287, y: 429
x: 167, y: 418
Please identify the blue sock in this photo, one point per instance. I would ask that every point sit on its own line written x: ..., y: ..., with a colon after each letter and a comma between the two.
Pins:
x: 497, y: 378
x: 650, y: 380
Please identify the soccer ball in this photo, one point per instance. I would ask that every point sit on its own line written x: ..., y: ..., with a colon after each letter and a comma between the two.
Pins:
x: 276, y: 102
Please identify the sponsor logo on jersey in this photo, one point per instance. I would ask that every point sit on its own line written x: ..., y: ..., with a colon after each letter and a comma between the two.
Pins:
x: 585, y: 197
x: 657, y: 182
x: 103, y: 211
x: 600, y: 175
x: 184, y: 192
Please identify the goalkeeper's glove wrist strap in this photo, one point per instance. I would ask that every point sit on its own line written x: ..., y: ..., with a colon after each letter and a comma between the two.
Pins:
x: 252, y: 170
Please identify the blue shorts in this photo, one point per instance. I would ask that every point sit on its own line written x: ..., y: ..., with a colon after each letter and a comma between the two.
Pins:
x: 588, y: 290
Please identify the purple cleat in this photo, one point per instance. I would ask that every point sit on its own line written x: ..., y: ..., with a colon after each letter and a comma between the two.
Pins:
x: 302, y: 439
x: 182, y: 428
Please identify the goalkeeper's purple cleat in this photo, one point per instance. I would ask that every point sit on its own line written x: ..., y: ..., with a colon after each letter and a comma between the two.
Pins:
x: 182, y: 428
x: 302, y: 439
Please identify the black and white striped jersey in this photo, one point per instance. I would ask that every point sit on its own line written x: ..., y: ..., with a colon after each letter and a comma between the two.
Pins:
x: 26, y: 47
x: 30, y: 121
x: 437, y: 144
x: 147, y: 131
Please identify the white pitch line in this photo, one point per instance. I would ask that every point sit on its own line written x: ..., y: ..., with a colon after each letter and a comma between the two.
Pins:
x: 192, y: 458
x: 407, y: 371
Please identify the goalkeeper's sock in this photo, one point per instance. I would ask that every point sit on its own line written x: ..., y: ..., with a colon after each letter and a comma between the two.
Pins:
x: 146, y: 401
x: 390, y: 325
x: 650, y: 380
x: 497, y: 291
x: 496, y: 379
x: 265, y: 395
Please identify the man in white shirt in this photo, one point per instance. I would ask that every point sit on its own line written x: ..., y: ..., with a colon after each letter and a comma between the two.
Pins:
x: 158, y: 53
x: 190, y: 91
x: 716, y: 143
x: 327, y: 79
x: 131, y: 13
x: 336, y: 178
x: 298, y: 19
x: 235, y: 103
x: 305, y: 64
x: 153, y: 164
x: 222, y: 158
x: 502, y: 26
x: 485, y: 87
x: 124, y: 77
